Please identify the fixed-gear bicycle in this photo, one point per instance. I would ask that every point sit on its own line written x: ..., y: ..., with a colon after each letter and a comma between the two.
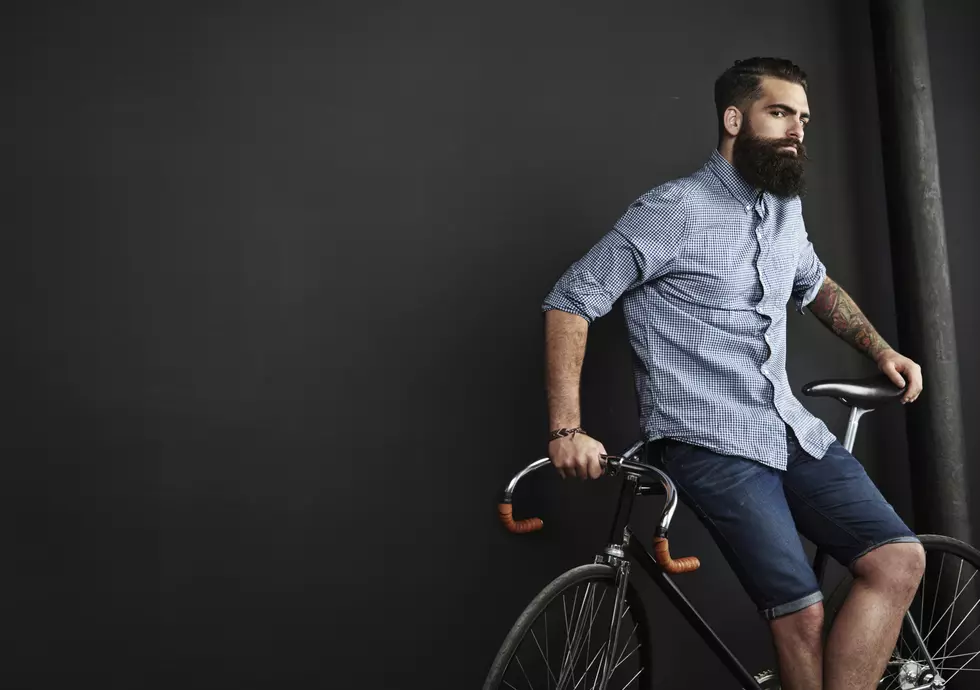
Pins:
x: 589, y: 629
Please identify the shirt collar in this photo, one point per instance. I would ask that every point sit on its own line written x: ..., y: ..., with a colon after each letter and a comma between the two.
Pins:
x: 732, y: 179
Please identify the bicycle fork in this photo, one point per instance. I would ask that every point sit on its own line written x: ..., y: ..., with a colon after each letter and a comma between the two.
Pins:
x: 604, y: 660
x: 615, y: 556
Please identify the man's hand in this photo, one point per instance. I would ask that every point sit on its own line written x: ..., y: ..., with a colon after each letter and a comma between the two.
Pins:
x: 577, y: 456
x: 902, y: 371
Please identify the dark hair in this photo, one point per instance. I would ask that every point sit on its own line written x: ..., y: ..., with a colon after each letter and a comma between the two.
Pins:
x: 741, y: 84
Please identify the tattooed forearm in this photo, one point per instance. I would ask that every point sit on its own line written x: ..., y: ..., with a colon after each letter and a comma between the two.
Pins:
x: 840, y: 314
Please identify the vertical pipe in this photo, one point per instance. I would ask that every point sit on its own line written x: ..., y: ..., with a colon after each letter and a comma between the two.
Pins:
x: 921, y: 271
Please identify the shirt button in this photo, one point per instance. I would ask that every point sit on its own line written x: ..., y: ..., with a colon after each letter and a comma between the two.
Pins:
x: 748, y: 208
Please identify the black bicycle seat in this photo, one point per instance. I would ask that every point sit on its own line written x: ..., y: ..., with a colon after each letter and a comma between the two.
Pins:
x: 867, y: 393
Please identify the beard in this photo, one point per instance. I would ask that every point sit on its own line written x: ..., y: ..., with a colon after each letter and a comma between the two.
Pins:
x: 761, y: 162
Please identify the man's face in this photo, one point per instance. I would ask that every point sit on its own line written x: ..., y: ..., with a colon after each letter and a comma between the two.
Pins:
x: 768, y: 149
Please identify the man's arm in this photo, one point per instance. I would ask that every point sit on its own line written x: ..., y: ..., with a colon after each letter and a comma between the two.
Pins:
x: 838, y: 312
x: 564, y: 350
x: 564, y: 345
x: 641, y: 247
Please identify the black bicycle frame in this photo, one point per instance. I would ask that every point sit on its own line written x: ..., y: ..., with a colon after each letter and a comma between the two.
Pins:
x: 641, y: 555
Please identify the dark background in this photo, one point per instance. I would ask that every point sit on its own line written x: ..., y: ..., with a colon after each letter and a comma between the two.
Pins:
x: 273, y: 284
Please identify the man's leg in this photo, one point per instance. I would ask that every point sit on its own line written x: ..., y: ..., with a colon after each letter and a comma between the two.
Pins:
x: 867, y: 625
x: 798, y: 638
x: 837, y: 506
x: 743, y: 505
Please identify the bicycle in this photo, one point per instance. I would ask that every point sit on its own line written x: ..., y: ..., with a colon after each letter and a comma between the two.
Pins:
x: 620, y: 656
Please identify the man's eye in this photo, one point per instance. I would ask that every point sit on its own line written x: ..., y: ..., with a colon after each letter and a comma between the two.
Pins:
x: 778, y: 113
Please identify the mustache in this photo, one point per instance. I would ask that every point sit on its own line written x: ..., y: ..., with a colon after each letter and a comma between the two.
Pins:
x: 798, y: 145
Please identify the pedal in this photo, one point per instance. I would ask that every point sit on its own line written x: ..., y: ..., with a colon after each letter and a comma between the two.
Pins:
x: 768, y: 679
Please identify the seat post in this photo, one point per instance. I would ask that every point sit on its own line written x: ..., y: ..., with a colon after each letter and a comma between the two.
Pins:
x: 852, y: 426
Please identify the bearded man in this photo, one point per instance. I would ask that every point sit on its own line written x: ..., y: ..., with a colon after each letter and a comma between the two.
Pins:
x: 706, y: 266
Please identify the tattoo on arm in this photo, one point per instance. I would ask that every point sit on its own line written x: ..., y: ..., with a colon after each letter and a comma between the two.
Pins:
x: 838, y: 312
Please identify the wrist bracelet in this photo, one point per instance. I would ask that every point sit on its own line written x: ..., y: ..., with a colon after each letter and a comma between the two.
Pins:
x: 559, y: 433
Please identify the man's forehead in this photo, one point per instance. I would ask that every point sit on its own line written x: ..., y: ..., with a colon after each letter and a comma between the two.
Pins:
x: 781, y: 91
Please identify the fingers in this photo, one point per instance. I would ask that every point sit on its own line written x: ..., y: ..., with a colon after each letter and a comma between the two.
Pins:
x: 891, y: 371
x: 914, y: 375
x: 579, y: 461
x: 595, y: 467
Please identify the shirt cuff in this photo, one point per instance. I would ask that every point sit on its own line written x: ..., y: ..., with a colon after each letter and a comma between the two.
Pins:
x: 811, y: 294
x: 562, y: 303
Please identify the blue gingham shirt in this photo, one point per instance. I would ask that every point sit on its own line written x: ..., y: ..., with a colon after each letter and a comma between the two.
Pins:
x: 706, y: 266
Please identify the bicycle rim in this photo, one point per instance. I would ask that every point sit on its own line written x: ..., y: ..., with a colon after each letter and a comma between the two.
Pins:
x: 561, y: 639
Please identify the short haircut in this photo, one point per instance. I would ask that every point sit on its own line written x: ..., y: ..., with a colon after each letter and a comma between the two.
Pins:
x: 741, y: 84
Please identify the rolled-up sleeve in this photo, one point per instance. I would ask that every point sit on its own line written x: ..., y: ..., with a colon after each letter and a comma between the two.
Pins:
x: 810, y: 273
x: 641, y: 247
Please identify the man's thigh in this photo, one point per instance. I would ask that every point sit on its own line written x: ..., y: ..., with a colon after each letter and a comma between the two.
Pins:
x: 742, y: 504
x: 837, y: 506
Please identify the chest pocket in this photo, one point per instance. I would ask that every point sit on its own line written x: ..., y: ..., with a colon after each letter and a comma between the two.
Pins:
x: 717, y: 268
x: 779, y: 259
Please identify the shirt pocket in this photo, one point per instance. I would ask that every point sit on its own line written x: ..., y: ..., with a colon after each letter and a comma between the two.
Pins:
x: 717, y: 268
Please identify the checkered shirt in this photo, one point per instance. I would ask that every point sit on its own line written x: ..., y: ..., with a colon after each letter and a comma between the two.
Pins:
x: 706, y: 266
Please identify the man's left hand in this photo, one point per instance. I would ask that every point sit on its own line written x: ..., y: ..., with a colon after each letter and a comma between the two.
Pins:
x: 903, y: 372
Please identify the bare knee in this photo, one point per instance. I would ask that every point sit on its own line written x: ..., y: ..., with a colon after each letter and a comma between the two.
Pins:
x: 802, y: 629
x: 895, y: 568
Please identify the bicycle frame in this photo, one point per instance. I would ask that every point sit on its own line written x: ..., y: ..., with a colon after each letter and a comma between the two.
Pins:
x: 661, y: 565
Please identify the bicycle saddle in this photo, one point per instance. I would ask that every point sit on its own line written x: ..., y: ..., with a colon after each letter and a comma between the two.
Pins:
x: 867, y: 393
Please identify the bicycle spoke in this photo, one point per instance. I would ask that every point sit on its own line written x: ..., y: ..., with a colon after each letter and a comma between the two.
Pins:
x: 942, y: 564
x: 630, y: 681
x: 626, y: 644
x: 951, y: 613
x: 544, y: 656
x: 592, y: 624
x: 546, y: 661
x: 893, y: 681
x: 922, y: 599
x: 567, y: 620
x: 624, y: 658
x: 524, y: 672
x: 568, y: 668
x: 964, y: 667
x: 955, y: 656
x: 939, y: 651
x: 585, y: 658
x: 965, y: 639
x: 586, y: 673
x: 955, y: 597
x: 946, y: 656
x: 571, y: 655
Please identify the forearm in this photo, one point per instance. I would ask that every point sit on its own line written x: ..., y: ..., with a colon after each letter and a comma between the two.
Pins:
x: 564, y: 342
x: 838, y: 312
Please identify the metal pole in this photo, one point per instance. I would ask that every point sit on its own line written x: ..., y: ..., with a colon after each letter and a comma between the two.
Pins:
x: 921, y: 271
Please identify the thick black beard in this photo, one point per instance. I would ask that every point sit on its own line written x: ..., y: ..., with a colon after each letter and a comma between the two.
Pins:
x: 762, y: 164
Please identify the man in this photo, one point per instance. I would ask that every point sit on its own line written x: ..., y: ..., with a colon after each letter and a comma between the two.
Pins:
x: 706, y: 265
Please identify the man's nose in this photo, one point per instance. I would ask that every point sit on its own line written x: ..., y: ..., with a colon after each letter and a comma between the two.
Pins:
x: 796, y: 131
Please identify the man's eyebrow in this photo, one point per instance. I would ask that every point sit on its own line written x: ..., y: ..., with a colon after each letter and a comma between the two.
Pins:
x: 789, y: 109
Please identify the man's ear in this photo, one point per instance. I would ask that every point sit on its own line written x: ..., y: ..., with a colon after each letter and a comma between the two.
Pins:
x: 732, y: 120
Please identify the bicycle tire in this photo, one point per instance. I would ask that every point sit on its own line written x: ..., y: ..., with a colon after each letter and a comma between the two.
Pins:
x: 572, y: 578
x: 934, y: 544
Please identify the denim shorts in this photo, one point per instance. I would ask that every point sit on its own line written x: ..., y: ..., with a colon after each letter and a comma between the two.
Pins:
x: 756, y: 514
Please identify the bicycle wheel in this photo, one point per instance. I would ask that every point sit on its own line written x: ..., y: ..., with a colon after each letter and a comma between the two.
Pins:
x: 543, y: 649
x: 946, y: 614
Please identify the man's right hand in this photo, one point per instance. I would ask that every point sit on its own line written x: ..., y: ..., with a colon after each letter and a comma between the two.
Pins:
x: 577, y: 456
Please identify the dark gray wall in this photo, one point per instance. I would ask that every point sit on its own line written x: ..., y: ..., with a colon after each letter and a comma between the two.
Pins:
x: 275, y: 276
